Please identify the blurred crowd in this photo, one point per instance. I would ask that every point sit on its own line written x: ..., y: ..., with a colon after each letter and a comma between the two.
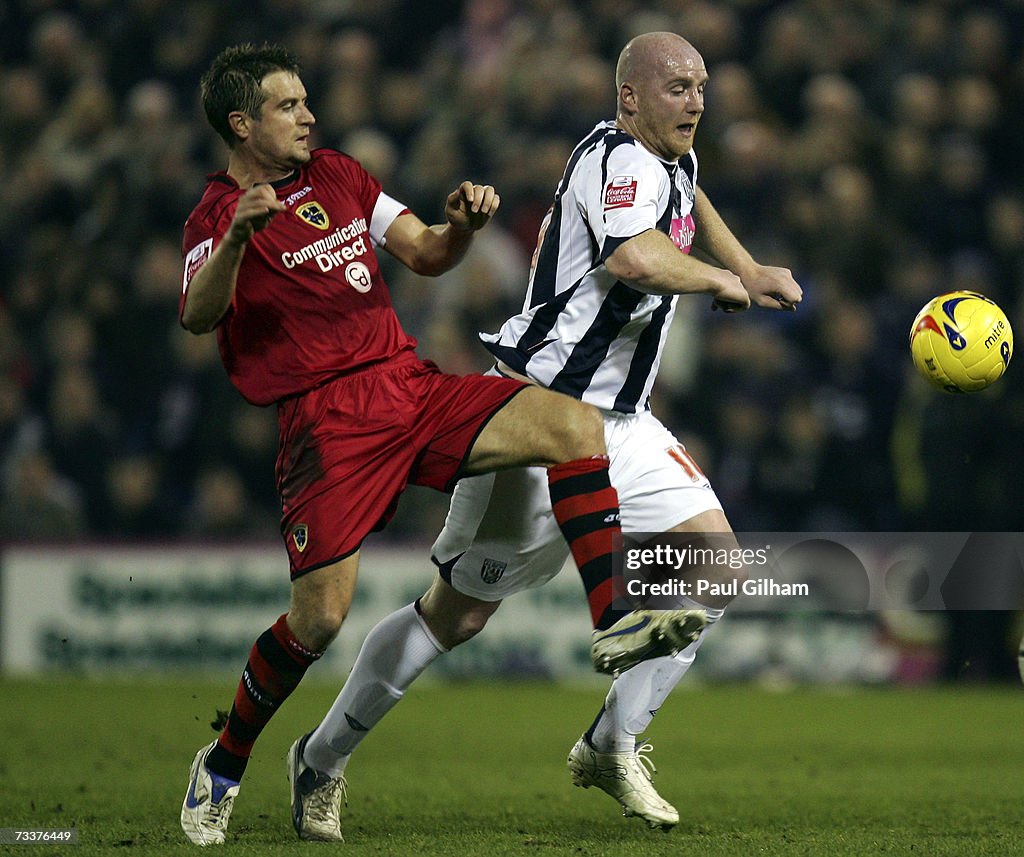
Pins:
x: 873, y: 147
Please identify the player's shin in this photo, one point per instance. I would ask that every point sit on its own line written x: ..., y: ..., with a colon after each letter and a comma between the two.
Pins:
x: 277, y: 663
x: 636, y: 695
x: 586, y: 507
x: 393, y: 655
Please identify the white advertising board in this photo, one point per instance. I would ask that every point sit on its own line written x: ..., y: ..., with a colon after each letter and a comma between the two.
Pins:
x: 199, y: 608
x: 195, y: 607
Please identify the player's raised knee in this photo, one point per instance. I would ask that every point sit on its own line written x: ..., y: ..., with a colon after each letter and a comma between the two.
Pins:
x: 576, y: 430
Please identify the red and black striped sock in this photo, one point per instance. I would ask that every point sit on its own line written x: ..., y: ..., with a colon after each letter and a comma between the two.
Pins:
x: 276, y: 665
x: 586, y: 507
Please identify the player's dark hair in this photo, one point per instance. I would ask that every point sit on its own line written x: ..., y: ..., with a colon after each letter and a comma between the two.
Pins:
x: 233, y: 83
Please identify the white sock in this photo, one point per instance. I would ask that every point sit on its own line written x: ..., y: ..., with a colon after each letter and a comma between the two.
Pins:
x: 393, y: 655
x: 636, y: 695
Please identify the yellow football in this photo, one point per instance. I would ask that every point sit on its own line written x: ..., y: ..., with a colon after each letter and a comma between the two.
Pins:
x: 961, y: 342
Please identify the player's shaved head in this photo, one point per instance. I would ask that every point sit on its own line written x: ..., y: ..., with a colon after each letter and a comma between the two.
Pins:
x: 649, y: 55
x: 660, y: 79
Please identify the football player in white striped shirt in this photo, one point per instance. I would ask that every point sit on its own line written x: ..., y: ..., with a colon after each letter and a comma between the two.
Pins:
x: 612, y: 260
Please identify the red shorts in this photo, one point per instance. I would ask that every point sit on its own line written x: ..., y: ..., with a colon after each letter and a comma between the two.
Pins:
x: 349, y: 449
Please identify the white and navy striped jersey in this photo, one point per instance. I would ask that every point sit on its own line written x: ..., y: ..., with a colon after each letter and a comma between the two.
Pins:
x: 581, y: 331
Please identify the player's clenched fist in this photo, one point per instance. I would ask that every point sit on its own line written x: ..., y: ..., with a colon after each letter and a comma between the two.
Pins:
x: 730, y: 295
x: 470, y: 206
x: 773, y: 287
x: 255, y: 209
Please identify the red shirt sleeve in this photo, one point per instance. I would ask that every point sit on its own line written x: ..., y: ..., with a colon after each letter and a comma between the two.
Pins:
x: 201, y: 237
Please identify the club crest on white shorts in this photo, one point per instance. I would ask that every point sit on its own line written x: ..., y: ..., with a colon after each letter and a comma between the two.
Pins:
x: 492, y: 570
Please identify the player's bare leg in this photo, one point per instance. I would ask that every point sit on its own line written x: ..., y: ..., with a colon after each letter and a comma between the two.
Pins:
x: 320, y: 601
x: 537, y: 427
x: 452, y: 617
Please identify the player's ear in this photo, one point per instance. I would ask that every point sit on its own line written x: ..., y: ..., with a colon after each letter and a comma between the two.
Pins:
x: 239, y: 123
x: 627, y: 97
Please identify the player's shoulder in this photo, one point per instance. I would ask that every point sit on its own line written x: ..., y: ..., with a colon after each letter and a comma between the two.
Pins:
x: 333, y: 160
x: 220, y: 193
x: 593, y: 152
x: 610, y: 145
x: 612, y: 152
x: 615, y: 137
x: 604, y: 138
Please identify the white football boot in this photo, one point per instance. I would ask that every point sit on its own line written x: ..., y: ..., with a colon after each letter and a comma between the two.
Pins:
x: 316, y: 798
x: 644, y: 634
x: 627, y: 778
x: 208, y: 802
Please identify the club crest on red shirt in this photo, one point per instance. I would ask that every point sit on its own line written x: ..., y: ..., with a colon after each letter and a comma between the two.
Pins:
x: 313, y: 213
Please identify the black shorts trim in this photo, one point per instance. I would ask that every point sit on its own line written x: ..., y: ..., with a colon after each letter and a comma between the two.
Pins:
x: 445, y: 569
x: 450, y: 486
x: 303, y: 572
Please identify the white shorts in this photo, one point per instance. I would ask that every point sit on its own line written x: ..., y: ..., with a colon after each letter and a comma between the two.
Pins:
x: 500, y: 536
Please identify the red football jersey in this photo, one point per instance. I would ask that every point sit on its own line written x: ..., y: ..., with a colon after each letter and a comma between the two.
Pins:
x: 310, y: 301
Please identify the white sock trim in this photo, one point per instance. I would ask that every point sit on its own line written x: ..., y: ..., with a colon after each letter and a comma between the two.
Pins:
x: 426, y: 630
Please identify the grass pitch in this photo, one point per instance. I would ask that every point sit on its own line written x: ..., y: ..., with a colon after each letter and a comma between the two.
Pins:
x: 479, y: 769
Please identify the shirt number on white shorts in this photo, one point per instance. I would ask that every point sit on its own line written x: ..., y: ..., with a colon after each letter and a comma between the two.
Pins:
x: 681, y: 457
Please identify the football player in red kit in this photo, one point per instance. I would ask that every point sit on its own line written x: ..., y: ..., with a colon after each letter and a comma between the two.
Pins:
x: 280, y: 262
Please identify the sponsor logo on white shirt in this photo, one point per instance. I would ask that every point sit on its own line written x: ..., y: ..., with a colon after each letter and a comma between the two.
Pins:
x: 620, y: 192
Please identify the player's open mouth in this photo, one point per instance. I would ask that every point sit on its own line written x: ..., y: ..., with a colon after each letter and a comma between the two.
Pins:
x: 687, y: 128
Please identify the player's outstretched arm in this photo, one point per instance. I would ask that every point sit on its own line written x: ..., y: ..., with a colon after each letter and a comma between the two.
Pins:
x: 213, y: 286
x: 432, y: 250
x: 768, y: 286
x: 651, y: 263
